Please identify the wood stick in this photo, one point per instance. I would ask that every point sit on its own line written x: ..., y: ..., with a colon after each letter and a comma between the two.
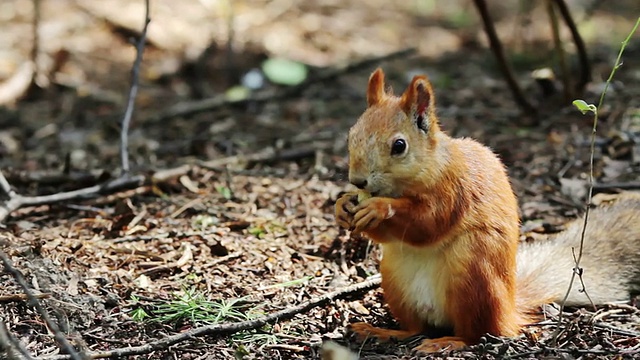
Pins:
x: 585, y: 67
x: 133, y: 91
x: 496, y: 47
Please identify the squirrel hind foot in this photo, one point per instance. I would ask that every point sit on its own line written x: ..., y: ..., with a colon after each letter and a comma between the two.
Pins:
x: 446, y: 343
x: 366, y: 331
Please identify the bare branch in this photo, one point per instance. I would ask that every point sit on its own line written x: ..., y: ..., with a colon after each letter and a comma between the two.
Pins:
x: 33, y: 301
x: 585, y: 67
x: 230, y: 328
x: 17, y: 201
x: 496, y: 47
x: 35, y: 49
x: 5, y: 186
x: 21, y: 297
x: 133, y: 91
x: 557, y: 41
x: 12, y: 346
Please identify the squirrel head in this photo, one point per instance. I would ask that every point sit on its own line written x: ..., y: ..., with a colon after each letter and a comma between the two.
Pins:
x: 395, y: 139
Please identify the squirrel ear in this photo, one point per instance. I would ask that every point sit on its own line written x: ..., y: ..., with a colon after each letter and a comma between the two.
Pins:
x: 375, y: 90
x: 417, y: 101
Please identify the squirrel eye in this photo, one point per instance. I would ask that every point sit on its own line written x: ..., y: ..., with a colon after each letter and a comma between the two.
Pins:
x: 398, y: 147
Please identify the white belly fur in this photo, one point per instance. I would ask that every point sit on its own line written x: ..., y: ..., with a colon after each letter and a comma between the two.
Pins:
x: 422, y: 270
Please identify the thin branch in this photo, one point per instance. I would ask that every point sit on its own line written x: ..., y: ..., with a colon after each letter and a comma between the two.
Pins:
x: 562, y: 59
x: 231, y: 66
x: 496, y: 47
x: 35, y: 49
x: 230, y: 328
x: 5, y: 186
x: 585, y: 67
x: 21, y: 297
x: 33, y: 301
x: 199, y: 106
x: 17, y: 201
x: 133, y: 91
x: 12, y: 346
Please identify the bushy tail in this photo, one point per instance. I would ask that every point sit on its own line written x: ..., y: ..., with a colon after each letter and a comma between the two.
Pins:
x: 610, y: 260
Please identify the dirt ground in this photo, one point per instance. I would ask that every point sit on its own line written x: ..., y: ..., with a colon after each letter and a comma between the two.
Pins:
x: 245, y: 227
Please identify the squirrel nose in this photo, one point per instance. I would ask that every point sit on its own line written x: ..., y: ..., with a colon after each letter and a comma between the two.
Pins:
x: 359, y: 182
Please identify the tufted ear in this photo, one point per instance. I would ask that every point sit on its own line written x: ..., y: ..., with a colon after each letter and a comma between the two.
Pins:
x: 418, y: 102
x: 375, y: 90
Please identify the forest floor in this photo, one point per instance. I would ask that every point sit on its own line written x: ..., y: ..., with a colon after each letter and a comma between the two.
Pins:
x: 241, y: 223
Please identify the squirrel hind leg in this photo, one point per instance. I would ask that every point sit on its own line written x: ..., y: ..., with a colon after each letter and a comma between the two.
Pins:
x: 366, y: 331
x: 447, y: 343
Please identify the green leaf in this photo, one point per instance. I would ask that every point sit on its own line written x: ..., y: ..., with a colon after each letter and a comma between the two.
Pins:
x: 138, y: 314
x: 257, y: 231
x: 584, y: 107
x: 284, y: 71
x: 237, y: 93
x: 224, y: 191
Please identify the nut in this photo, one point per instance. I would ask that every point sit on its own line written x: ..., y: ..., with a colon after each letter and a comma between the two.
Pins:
x: 362, y: 196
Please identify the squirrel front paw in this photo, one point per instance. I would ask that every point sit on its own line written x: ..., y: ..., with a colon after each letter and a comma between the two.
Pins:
x: 345, y: 209
x: 370, y: 213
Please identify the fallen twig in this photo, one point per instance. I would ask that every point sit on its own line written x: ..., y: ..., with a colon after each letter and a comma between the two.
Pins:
x: 12, y: 346
x: 229, y: 328
x: 17, y: 201
x: 195, y: 107
x: 57, y: 178
x: 21, y: 297
x: 33, y: 301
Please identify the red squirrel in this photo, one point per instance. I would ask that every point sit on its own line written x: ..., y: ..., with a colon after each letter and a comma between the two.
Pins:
x: 446, y: 217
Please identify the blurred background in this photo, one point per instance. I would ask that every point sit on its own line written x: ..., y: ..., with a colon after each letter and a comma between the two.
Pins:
x: 202, y: 49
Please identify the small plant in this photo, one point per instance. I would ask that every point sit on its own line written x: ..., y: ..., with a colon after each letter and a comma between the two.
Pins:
x: 260, y: 230
x: 259, y: 338
x: 257, y: 231
x: 138, y: 313
x: 193, y: 306
x: 585, y: 108
x: 224, y: 191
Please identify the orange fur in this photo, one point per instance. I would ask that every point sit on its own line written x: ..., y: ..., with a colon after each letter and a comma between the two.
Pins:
x: 446, y: 217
